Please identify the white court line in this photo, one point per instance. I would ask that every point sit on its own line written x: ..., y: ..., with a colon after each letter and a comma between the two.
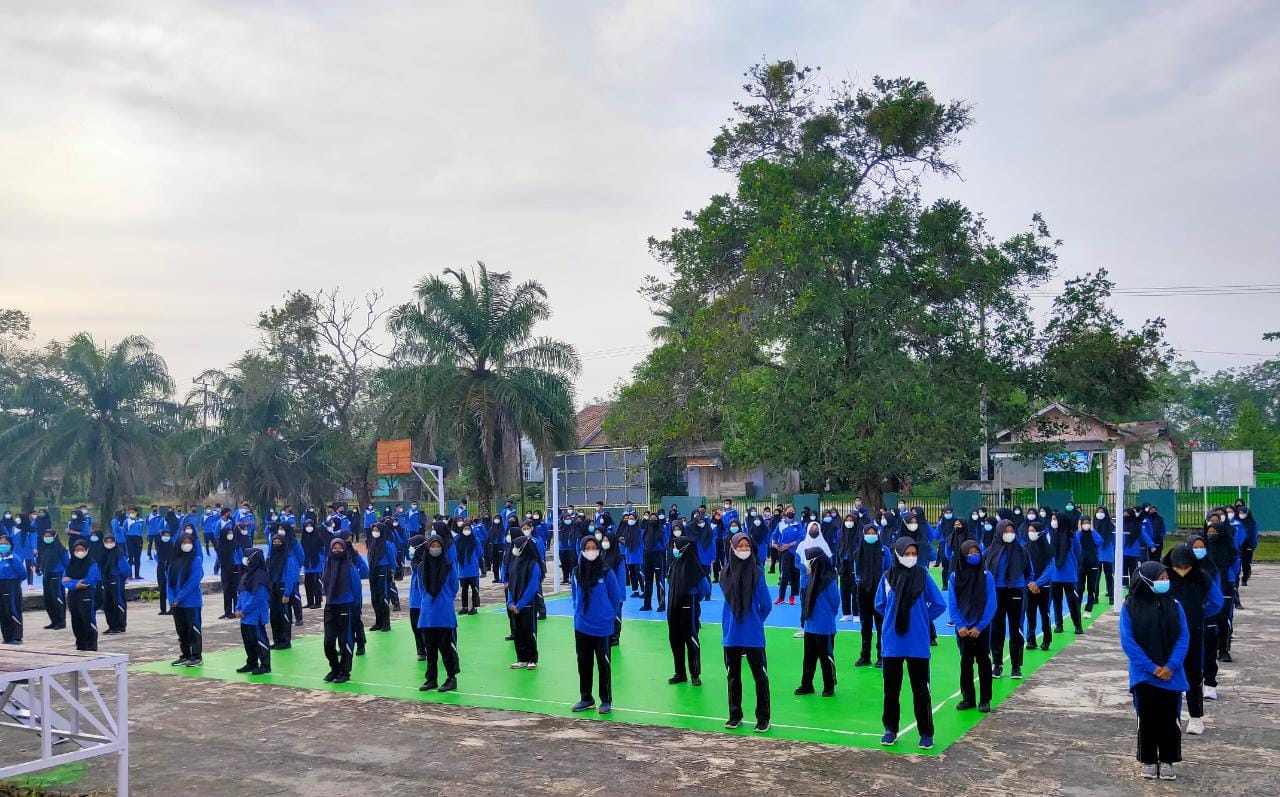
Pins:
x: 561, y: 703
x: 936, y: 708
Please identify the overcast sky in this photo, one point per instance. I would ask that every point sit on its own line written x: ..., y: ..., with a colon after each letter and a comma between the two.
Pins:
x: 172, y: 168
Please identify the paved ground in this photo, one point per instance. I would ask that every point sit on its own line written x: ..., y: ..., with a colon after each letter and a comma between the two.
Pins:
x: 1068, y: 730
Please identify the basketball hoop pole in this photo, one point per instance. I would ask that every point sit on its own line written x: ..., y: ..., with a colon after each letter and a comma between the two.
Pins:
x: 436, y: 492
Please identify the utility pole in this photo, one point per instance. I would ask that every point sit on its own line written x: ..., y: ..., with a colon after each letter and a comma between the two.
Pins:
x: 983, y: 471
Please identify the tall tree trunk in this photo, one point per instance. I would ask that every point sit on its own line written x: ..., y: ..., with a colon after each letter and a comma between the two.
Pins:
x: 873, y: 493
x: 509, y: 475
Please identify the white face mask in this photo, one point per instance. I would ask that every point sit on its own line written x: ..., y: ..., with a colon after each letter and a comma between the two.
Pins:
x: 186, y: 547
x: 1033, y: 535
x: 80, y: 554
x: 435, y: 550
x: 1101, y: 515
x: 231, y: 536
x: 466, y: 532
x: 599, y: 536
x: 742, y: 554
x: 377, y: 534
x: 1031, y: 516
x: 311, y: 528
x: 908, y: 561
x: 108, y: 545
x: 527, y: 532
x: 1053, y: 524
x: 913, y: 526
x: 280, y: 533
x: 605, y: 544
x: 1007, y: 536
x: 848, y: 524
x: 591, y: 555
x: 677, y: 533
x: 631, y: 522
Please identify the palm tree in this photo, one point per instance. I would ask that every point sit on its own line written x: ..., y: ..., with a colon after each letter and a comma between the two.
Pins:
x: 98, y: 411
x: 465, y: 350
x: 259, y: 443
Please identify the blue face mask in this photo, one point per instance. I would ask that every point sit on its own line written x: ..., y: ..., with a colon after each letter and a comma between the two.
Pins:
x: 5, y: 548
x: 675, y: 553
x: 973, y: 558
x: 947, y: 515
x: 869, y: 539
x: 1199, y: 553
x: 1161, y: 587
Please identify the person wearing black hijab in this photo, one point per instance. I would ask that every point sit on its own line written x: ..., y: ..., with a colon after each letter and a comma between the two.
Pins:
x: 1224, y: 556
x: 846, y: 553
x: 282, y: 570
x: 523, y: 577
x: 1039, y: 590
x: 313, y: 554
x: 652, y: 569
x: 1199, y: 595
x: 51, y: 563
x: 746, y: 606
x: 381, y: 550
x: 417, y: 555
x: 870, y: 560
x: 596, y: 590
x: 468, y: 552
x: 113, y: 561
x: 182, y: 583
x: 343, y: 570
x: 1009, y: 563
x: 910, y: 602
x: 612, y: 560
x: 819, y: 607
x: 436, y: 580
x: 1090, y: 552
x: 1154, y: 635
x: 1066, y: 569
x: 1137, y: 543
x: 252, y: 608
x: 972, y: 601
x: 81, y: 582
x: 684, y: 610
x: 228, y: 564
x: 1250, y: 542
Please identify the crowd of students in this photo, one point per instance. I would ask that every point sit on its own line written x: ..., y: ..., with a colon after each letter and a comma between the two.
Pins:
x: 1010, y: 576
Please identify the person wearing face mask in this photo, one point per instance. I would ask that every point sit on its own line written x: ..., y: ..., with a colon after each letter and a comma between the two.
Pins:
x: 1154, y: 636
x: 570, y: 536
x: 13, y: 571
x: 523, y: 576
x: 612, y: 560
x: 1248, y: 542
x: 343, y: 569
x: 684, y: 611
x: 1137, y: 543
x: 972, y: 602
x: 653, y: 571
x: 819, y: 606
x: 182, y: 581
x: 1011, y: 567
x: 227, y: 564
x: 1106, y: 528
x: 705, y: 532
x: 1090, y: 543
x: 417, y: 555
x: 1238, y: 534
x: 956, y: 532
x: 81, y: 583
x: 1066, y: 570
x: 51, y: 564
x: 1039, y: 584
x: 1224, y: 557
x: 871, y: 560
x: 162, y: 549
x: 134, y: 532
x: 467, y: 554
x: 437, y: 583
x: 632, y: 543
x: 909, y: 601
x: 1154, y: 525
x: 846, y: 554
x: 313, y: 553
x: 944, y: 526
x: 746, y: 607
x: 367, y: 519
x: 596, y: 592
x: 382, y: 562
x: 113, y: 561
x: 283, y: 566
x: 1200, y: 596
x: 786, y: 537
x: 253, y: 610
x: 812, y: 540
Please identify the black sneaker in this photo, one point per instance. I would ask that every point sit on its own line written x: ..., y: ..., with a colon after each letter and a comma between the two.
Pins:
x: 428, y: 686
x: 763, y: 727
x: 178, y: 662
x: 997, y: 672
x: 879, y: 663
x: 1017, y: 673
x: 1057, y: 629
x: 341, y: 678
x: 1045, y: 646
x: 965, y: 705
x: 449, y: 684
x: 696, y: 681
x: 422, y: 657
x: 828, y: 692
x: 985, y: 708
x: 330, y: 676
x: 677, y: 679
x: 731, y: 723
x: 360, y: 650
x: 195, y: 662
x: 803, y: 690
x: 261, y: 671
x: 863, y: 661
x: 246, y: 668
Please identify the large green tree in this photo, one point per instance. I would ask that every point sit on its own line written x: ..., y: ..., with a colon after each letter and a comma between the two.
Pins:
x: 466, y: 357
x: 1251, y: 433
x: 101, y: 412
x: 826, y: 316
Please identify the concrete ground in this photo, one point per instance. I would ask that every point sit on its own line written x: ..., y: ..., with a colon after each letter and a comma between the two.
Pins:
x: 1068, y: 730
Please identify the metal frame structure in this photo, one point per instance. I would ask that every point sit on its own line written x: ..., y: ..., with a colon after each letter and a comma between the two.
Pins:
x: 437, y: 471
x: 29, y: 679
x: 553, y: 517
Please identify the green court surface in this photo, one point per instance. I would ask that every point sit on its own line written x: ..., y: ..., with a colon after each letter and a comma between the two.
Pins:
x: 641, y: 666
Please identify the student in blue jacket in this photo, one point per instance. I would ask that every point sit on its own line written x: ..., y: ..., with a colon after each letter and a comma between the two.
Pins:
x: 437, y: 580
x: 786, y: 537
x: 1137, y: 543
x: 1200, y: 596
x: 1106, y: 528
x: 381, y: 550
x: 523, y: 576
x: 313, y: 553
x: 282, y: 570
x: 633, y: 552
x: 13, y: 571
x: 1039, y: 584
x: 185, y: 599
x: 909, y: 601
x: 819, y: 607
x: 596, y: 593
x: 871, y: 559
x: 343, y: 570
x: 1066, y: 571
x: 688, y: 585
x: 81, y: 582
x: 113, y: 561
x: 467, y: 551
x: 228, y: 564
x: 972, y: 600
x: 51, y: 563
x: 1090, y: 542
x: 252, y: 599
x: 746, y: 606
x: 417, y: 554
x: 1009, y: 563
x: 1153, y: 633
x: 653, y: 541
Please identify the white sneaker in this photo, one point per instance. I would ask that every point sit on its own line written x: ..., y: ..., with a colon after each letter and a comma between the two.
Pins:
x: 1167, y: 773
x: 1195, y: 726
x: 1150, y: 771
x: 533, y: 665
x: 799, y: 634
x: 519, y: 665
x: 1211, y: 693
